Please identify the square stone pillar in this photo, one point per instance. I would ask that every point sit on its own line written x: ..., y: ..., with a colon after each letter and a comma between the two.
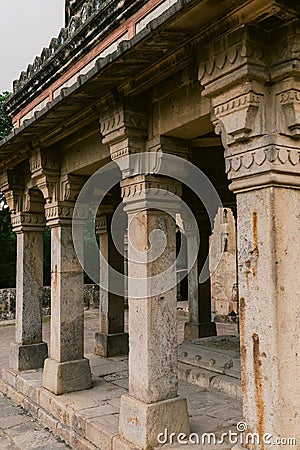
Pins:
x: 28, y: 351
x: 256, y: 111
x: 66, y: 370
x: 111, y: 340
x: 199, y: 323
x: 152, y: 403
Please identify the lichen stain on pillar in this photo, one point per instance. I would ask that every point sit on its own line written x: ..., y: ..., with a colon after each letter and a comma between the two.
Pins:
x: 255, y: 241
x: 258, y: 383
x: 243, y: 347
x: 251, y: 262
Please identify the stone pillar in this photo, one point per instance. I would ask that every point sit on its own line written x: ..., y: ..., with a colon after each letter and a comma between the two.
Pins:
x: 66, y: 370
x: 223, y: 269
x: 199, y: 324
x: 29, y: 351
x: 152, y: 403
x: 259, y: 123
x: 111, y: 340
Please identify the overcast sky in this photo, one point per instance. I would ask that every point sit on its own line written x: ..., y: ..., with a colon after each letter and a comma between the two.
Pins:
x: 26, y: 27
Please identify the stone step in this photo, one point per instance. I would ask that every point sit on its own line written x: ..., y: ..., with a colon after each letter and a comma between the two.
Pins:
x: 212, y: 363
x: 209, y: 380
x: 219, y: 354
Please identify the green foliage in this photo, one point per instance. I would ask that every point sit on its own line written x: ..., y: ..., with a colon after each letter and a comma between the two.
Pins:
x: 8, y: 251
x: 5, y: 120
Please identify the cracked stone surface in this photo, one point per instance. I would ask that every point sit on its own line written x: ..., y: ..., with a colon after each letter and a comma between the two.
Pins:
x: 19, y: 430
x: 209, y: 411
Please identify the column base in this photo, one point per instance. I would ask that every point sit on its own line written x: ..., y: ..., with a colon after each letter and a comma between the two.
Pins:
x: 150, y: 425
x: 27, y: 357
x: 194, y: 330
x: 107, y: 345
x: 60, y: 378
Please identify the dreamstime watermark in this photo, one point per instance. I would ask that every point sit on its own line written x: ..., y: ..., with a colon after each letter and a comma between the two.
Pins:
x: 240, y: 436
x: 160, y: 197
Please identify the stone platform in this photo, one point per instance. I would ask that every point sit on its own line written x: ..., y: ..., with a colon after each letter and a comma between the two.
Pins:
x: 90, y: 419
x: 212, y: 363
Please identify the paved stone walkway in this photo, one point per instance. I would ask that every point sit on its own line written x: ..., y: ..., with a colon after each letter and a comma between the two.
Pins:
x: 19, y: 430
x: 210, y: 412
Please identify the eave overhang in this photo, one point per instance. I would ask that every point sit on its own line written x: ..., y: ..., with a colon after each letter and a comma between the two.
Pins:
x: 164, y: 39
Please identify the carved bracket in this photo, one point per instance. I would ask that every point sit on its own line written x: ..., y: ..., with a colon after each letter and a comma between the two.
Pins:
x: 12, y: 184
x: 123, y: 128
x: 101, y: 224
x: 289, y: 105
x: 239, y: 118
x: 44, y: 170
x: 71, y: 186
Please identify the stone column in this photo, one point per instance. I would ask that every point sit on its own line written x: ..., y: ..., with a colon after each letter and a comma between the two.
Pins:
x: 260, y: 127
x: 111, y: 340
x: 66, y: 370
x: 199, y: 324
x: 29, y: 351
x: 223, y: 270
x: 152, y: 403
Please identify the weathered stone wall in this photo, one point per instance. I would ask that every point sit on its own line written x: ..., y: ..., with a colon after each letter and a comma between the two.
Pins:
x: 8, y: 300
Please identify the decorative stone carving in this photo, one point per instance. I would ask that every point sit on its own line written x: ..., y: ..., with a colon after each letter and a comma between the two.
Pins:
x: 136, y: 189
x: 229, y: 58
x: 76, y: 16
x: 289, y: 103
x: 27, y: 221
x: 241, y: 117
x: 223, y: 268
x: 124, y: 130
x: 284, y: 52
x: 70, y: 186
x: 12, y: 185
x: 45, y: 173
x: 101, y: 224
x: 246, y: 110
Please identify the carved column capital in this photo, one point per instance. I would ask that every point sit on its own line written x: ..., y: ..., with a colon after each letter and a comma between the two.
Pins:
x: 103, y: 219
x: 12, y: 184
x: 22, y: 222
x: 63, y: 213
x: 256, y: 107
x: 237, y: 56
x: 124, y: 129
x: 151, y: 192
x: 101, y: 224
x: 45, y: 168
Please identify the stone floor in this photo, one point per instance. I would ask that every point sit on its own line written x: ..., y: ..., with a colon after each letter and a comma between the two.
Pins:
x: 19, y: 430
x: 89, y: 419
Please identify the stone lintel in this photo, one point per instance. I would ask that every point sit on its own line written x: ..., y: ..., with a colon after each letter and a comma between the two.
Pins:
x: 27, y: 357
x: 141, y: 423
x: 70, y: 376
x: 108, y: 345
